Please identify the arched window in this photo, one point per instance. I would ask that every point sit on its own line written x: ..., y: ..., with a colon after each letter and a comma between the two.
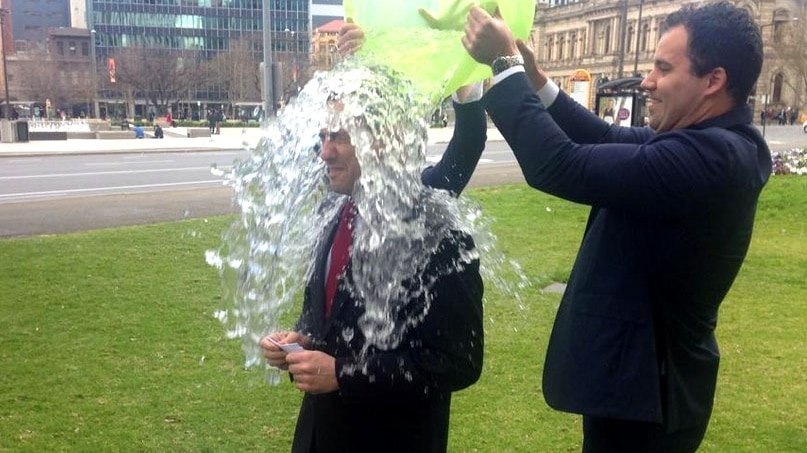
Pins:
x: 778, y: 80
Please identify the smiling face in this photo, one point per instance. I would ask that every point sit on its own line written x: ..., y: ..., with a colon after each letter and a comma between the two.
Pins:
x: 676, y: 98
x: 340, y: 160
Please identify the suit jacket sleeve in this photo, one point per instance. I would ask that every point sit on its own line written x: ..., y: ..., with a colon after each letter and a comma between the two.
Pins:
x: 441, y: 354
x: 461, y: 156
x: 568, y: 152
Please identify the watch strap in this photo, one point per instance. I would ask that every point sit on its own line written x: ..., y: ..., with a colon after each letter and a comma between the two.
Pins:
x: 505, y: 62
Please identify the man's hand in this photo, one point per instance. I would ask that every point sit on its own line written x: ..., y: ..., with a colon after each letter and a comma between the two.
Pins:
x: 314, y: 371
x: 273, y: 354
x: 537, y: 77
x: 452, y: 17
x: 487, y: 37
x: 351, y: 38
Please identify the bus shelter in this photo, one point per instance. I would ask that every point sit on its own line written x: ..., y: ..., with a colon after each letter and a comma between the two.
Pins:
x: 622, y: 102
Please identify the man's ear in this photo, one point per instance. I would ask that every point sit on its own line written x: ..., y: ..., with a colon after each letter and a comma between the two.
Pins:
x: 717, y: 80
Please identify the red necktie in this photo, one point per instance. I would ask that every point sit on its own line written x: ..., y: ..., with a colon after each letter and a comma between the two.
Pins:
x: 340, y: 253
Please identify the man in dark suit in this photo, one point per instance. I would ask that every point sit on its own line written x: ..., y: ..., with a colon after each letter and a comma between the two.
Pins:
x: 633, y: 347
x: 362, y: 395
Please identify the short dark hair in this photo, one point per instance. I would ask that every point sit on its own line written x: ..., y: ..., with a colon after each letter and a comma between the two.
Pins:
x: 722, y: 35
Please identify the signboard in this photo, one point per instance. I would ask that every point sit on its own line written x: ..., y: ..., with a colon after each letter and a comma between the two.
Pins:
x: 622, y: 102
x: 580, y: 87
x: 616, y: 109
x: 110, y: 65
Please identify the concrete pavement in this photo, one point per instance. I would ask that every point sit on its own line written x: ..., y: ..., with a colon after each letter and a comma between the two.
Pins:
x: 175, y: 140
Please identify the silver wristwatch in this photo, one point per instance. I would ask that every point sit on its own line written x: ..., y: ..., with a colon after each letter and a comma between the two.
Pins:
x: 501, y: 64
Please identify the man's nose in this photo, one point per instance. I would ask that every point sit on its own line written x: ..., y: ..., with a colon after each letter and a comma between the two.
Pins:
x: 648, y: 83
x: 326, y: 149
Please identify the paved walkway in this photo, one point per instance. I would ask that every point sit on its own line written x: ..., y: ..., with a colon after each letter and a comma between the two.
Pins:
x: 175, y: 140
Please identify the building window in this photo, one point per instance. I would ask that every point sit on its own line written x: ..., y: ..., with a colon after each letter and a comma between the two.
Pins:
x: 645, y: 37
x: 778, y: 80
x: 60, y: 47
x: 631, y: 39
x: 603, y: 33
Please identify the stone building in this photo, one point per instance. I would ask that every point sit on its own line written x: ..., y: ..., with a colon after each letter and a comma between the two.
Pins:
x: 323, y: 45
x: 612, y: 39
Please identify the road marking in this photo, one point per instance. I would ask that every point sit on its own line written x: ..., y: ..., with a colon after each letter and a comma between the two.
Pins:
x: 140, y: 162
x: 24, y: 160
x: 119, y: 172
x: 103, y: 189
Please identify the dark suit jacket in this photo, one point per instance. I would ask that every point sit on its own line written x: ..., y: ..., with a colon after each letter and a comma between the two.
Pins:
x: 396, y: 400
x: 401, y: 402
x: 670, y: 224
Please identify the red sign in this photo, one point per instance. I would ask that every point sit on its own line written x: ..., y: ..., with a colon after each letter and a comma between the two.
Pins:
x: 110, y: 65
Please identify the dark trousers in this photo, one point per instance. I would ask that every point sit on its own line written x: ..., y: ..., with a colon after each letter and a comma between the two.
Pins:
x: 607, y: 435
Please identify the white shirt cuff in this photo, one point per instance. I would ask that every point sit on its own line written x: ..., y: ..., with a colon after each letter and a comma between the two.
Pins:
x: 474, y: 94
x: 548, y: 93
x: 506, y: 73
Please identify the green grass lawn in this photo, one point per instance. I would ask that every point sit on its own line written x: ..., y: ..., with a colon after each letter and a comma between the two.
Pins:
x: 108, y: 341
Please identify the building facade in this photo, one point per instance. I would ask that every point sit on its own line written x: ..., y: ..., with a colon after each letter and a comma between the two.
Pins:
x: 324, y: 11
x: 603, y: 40
x: 196, y: 54
x: 324, y: 54
x: 191, y: 33
x: 33, y: 19
x: 613, y: 39
x: 6, y: 38
x: 78, y: 14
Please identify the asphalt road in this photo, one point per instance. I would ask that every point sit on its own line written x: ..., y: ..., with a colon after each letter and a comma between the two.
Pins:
x: 60, y: 215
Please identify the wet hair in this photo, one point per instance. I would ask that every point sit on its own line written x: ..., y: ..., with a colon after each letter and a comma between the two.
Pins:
x: 722, y: 35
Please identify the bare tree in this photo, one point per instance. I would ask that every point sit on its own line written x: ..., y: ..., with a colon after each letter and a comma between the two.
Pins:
x: 36, y: 79
x: 160, y: 75
x: 65, y: 82
x: 235, y: 73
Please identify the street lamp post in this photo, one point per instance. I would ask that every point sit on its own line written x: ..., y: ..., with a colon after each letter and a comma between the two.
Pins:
x: 770, y: 78
x: 268, y: 101
x: 94, y: 75
x: 3, y: 16
x: 638, y: 31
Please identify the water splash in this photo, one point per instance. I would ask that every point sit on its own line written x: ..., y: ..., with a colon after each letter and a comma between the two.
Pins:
x: 268, y: 253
